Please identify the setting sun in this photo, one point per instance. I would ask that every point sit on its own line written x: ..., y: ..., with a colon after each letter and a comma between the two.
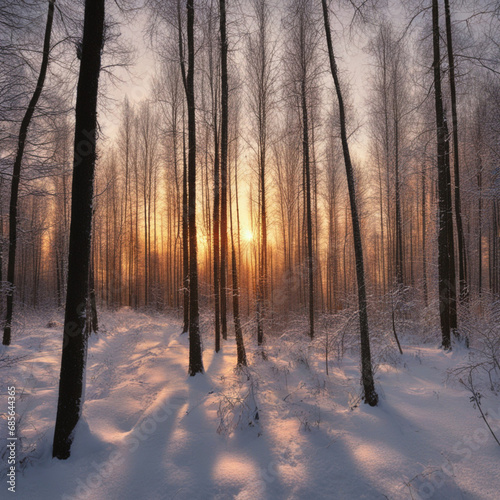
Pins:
x: 247, y: 235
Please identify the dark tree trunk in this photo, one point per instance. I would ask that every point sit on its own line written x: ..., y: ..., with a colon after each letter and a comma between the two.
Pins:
x: 480, y: 226
x: 262, y: 124
x: 195, y: 355
x: 216, y: 233
x: 216, y: 210
x: 399, y: 224
x: 185, y: 236
x: 74, y: 353
x: 1, y: 240
x: 16, y: 174
x: 462, y: 261
x: 240, y: 345
x: 307, y: 175
x: 495, y: 261
x: 443, y: 187
x: 185, y: 209
x: 370, y: 396
x: 424, y: 238
x: 449, y: 232
x: 262, y: 291
x: 223, y: 168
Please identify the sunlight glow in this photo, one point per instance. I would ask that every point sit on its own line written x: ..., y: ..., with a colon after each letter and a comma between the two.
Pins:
x: 247, y: 235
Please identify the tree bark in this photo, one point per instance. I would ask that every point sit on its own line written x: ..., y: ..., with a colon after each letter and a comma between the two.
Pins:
x: 185, y: 235
x: 462, y: 261
x: 71, y: 382
x: 216, y: 209
x: 370, y: 395
x: 443, y: 240
x: 195, y: 354
x: 216, y: 234
x: 262, y: 76
x: 449, y: 232
x: 185, y: 208
x: 223, y: 168
x: 399, y: 224
x: 16, y: 175
x: 240, y: 344
x: 307, y: 174
x: 424, y: 238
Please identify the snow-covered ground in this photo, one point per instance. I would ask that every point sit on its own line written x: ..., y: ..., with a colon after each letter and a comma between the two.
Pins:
x: 281, y: 430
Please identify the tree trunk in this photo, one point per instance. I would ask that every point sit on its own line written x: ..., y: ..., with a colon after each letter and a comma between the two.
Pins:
x: 195, y: 355
x: 262, y: 90
x: 223, y: 168
x: 449, y: 232
x: 479, y: 176
x: 307, y: 174
x: 185, y: 208
x: 216, y: 208
x: 443, y: 240
x: 424, y: 239
x: 71, y: 382
x: 240, y: 345
x: 397, y: 188
x: 370, y: 396
x: 1, y: 239
x: 16, y: 174
x: 185, y: 235
x: 462, y: 261
x: 216, y: 233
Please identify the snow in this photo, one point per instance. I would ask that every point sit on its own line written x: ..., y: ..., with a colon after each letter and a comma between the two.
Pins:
x: 150, y: 431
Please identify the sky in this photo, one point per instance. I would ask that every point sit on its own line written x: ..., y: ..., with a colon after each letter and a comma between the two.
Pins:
x: 135, y: 82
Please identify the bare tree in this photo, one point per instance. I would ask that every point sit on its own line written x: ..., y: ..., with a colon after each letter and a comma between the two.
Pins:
x: 240, y: 344
x: 444, y: 251
x: 16, y: 173
x: 74, y: 352
x: 462, y: 262
x: 302, y: 62
x: 195, y: 355
x: 185, y: 201
x: 214, y: 94
x: 391, y: 100
x: 370, y: 396
x: 223, y: 170
x: 260, y: 70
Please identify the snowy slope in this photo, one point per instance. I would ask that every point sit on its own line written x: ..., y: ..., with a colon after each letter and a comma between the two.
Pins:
x: 150, y: 431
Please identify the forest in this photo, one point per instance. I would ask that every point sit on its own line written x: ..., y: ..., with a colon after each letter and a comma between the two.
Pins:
x: 250, y: 249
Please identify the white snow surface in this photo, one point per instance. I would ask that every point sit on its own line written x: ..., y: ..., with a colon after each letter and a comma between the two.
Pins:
x: 149, y: 431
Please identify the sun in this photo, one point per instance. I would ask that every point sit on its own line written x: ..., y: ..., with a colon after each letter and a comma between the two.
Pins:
x: 247, y: 235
